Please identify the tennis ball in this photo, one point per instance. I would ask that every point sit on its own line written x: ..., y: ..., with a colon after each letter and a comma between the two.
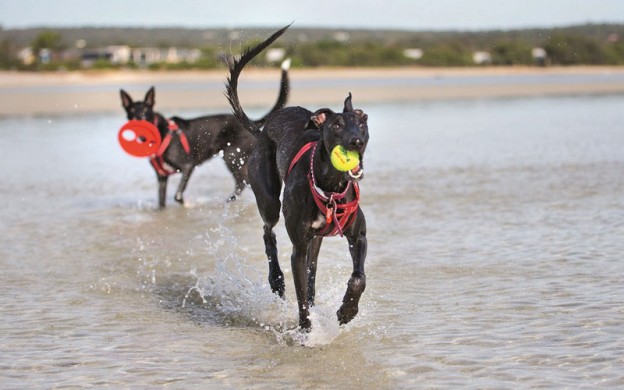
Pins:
x: 344, y: 160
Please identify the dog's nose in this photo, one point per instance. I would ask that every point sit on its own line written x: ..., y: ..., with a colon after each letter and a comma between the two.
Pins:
x: 356, y: 143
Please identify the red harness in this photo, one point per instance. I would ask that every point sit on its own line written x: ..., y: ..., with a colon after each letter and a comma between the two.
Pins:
x: 338, y: 216
x: 156, y: 159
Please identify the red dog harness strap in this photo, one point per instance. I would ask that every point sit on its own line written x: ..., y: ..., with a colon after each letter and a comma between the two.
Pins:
x: 157, y: 160
x: 174, y: 129
x: 338, y: 216
x: 159, y: 165
x: 300, y: 154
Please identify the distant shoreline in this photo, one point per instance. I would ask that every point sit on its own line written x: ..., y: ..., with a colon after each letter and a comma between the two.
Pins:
x: 68, y: 93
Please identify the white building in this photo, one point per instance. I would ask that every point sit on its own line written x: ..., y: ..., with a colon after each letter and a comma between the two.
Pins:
x: 275, y: 54
x: 26, y: 56
x: 414, y: 54
x: 481, y: 57
x: 119, y: 54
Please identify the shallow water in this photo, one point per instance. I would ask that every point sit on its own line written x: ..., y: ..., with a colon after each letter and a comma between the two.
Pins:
x: 494, y: 261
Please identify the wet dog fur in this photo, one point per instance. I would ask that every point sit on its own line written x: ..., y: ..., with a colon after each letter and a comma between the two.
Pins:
x: 285, y: 132
x: 207, y: 136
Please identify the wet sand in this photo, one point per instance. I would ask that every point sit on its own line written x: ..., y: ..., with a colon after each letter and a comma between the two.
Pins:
x: 97, y: 91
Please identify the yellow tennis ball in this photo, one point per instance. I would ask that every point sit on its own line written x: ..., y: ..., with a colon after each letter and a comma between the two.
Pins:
x: 344, y: 160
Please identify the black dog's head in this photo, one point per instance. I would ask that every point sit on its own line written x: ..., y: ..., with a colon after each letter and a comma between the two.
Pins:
x: 139, y: 110
x: 348, y: 129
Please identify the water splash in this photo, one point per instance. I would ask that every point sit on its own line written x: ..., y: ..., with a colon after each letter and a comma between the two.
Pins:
x: 239, y: 295
x: 195, y: 289
x: 236, y: 292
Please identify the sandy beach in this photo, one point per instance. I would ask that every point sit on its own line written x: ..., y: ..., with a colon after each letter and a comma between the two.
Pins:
x: 97, y: 91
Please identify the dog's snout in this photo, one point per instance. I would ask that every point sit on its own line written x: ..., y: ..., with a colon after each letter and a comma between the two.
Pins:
x: 356, y: 143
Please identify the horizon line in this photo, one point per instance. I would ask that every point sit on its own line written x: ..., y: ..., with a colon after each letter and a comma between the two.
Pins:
x: 264, y: 27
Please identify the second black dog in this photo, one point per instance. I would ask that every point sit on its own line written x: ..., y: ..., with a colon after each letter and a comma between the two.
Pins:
x: 193, y: 141
x: 294, y: 148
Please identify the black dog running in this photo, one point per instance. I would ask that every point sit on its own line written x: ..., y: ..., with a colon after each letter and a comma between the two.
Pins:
x: 312, y: 186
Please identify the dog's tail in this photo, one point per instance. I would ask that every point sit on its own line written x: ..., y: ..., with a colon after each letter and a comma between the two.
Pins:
x: 254, y: 127
x: 282, y: 97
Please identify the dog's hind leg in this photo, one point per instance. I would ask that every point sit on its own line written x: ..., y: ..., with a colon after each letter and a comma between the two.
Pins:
x: 238, y: 168
x: 276, y: 276
x: 357, y: 283
x: 187, y: 170
x: 313, y: 251
x: 266, y: 185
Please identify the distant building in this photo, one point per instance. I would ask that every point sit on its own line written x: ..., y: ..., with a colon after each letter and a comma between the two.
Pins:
x: 482, y: 57
x: 151, y: 55
x: 26, y: 56
x: 119, y: 54
x: 539, y: 55
x: 45, y: 56
x: 342, y: 36
x: 89, y: 57
x: 142, y: 56
x: 275, y: 54
x: 414, y: 54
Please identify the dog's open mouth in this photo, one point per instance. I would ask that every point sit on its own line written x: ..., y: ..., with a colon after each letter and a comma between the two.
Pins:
x: 356, y: 173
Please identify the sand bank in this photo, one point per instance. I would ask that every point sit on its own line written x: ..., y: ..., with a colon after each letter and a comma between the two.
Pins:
x: 92, y: 92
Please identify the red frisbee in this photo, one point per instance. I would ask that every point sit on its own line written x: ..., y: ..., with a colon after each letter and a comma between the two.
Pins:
x: 139, y: 138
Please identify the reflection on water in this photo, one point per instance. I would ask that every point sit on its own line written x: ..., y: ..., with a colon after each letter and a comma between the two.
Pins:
x: 494, y: 259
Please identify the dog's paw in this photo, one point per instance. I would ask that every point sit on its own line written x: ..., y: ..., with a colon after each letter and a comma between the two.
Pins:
x: 232, y: 198
x: 277, y: 283
x: 305, y: 325
x: 279, y: 289
x: 346, y: 313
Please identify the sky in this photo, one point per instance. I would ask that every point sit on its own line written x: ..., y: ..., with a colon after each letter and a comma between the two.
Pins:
x: 347, y: 14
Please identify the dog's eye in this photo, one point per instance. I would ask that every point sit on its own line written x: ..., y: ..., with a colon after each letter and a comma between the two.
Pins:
x: 337, y: 126
x: 362, y: 127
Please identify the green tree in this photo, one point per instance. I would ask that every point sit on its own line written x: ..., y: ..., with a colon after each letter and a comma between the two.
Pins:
x: 376, y: 54
x: 448, y: 54
x: 322, y: 53
x: 511, y: 52
x: 209, y: 59
x: 6, y: 55
x: 565, y: 49
x: 47, y: 40
x: 615, y: 53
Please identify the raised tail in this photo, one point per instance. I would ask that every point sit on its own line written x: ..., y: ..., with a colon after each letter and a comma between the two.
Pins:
x: 254, y: 127
x: 283, y: 94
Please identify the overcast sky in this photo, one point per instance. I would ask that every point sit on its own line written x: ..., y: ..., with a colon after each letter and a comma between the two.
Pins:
x: 370, y: 14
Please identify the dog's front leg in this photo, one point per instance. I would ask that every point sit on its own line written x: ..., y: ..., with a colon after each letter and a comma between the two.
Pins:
x: 162, y: 190
x: 313, y: 252
x: 186, y: 175
x: 300, y: 276
x: 357, y: 283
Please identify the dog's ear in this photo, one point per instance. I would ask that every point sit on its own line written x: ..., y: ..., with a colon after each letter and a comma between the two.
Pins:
x: 348, y: 107
x: 360, y: 114
x: 150, y: 97
x: 126, y: 100
x: 319, y: 117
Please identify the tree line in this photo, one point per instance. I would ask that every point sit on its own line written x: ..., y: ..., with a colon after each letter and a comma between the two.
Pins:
x: 579, y: 45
